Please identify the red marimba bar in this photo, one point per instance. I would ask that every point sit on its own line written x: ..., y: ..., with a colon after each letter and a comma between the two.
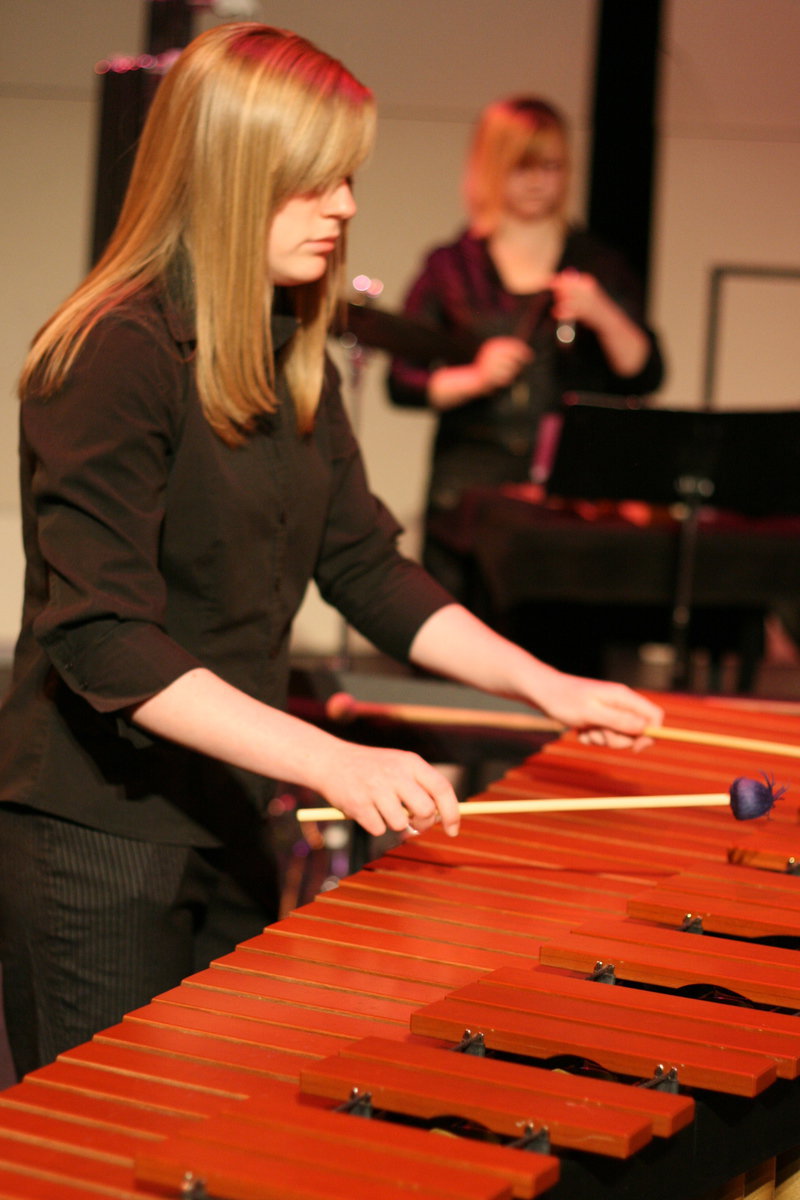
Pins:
x: 233, y: 1083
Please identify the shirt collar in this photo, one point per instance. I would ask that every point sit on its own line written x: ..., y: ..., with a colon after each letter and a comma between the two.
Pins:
x: 183, y: 329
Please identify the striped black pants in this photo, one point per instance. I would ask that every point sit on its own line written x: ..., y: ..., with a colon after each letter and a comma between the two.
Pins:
x: 93, y: 926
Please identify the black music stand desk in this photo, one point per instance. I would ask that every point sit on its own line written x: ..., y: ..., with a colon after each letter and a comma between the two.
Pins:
x: 543, y: 571
x: 741, y: 462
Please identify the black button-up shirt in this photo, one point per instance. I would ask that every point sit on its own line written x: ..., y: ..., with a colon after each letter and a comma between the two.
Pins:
x: 153, y: 548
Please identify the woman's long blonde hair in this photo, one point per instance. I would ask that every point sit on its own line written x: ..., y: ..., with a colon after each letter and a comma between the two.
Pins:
x: 246, y: 117
x: 508, y: 134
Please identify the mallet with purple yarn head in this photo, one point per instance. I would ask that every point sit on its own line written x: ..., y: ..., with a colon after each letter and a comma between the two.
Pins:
x: 747, y: 799
x: 750, y: 798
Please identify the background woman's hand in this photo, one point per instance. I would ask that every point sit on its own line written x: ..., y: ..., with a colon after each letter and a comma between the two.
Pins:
x: 578, y: 297
x: 499, y: 361
x: 497, y: 364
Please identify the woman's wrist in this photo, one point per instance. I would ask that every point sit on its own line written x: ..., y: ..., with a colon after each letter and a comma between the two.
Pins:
x: 625, y: 343
x: 449, y: 387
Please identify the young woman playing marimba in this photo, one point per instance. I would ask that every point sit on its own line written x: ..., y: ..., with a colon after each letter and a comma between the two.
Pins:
x: 187, y: 468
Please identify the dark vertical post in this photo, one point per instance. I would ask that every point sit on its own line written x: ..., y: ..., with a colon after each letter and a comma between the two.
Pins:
x: 126, y: 89
x: 169, y: 25
x: 125, y: 96
x: 624, y: 122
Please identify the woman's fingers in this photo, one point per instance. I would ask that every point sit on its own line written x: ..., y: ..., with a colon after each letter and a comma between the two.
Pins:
x: 392, y: 789
x: 618, y: 717
x: 438, y: 802
x: 500, y: 359
x: 603, y: 713
x: 614, y: 740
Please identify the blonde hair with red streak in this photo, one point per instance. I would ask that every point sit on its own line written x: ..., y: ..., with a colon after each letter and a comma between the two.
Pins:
x: 246, y: 117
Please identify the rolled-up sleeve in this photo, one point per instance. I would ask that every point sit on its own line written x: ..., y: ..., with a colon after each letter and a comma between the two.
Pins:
x: 98, y: 456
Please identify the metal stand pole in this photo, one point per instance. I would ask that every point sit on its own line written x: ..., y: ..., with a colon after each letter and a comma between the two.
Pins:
x: 694, y: 491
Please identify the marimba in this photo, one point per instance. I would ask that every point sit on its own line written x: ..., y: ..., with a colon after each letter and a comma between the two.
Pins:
x: 455, y: 993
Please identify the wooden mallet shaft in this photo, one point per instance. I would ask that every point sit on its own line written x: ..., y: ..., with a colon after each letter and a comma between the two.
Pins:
x: 575, y: 804
x: 342, y: 707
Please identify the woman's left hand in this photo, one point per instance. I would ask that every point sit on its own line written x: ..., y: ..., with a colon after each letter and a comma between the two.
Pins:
x: 577, y: 297
x: 603, y: 713
x: 455, y: 643
x: 580, y: 299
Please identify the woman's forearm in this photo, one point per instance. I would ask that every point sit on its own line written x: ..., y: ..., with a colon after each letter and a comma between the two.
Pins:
x: 454, y: 643
x: 379, y: 788
x: 625, y: 344
x: 202, y: 712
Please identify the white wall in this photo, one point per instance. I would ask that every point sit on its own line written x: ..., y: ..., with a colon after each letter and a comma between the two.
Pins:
x: 728, y: 175
x: 727, y: 188
x: 47, y: 128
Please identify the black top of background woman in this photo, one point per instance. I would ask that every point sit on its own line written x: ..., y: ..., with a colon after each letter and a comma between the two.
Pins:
x: 552, y: 310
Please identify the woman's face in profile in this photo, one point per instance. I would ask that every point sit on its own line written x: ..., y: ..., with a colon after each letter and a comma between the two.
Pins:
x: 304, y: 234
x: 536, y: 188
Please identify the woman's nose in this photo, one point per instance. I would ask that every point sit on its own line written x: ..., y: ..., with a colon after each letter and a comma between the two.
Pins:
x: 341, y: 202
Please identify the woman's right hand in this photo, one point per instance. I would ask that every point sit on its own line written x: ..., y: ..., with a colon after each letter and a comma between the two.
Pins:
x: 499, y: 361
x: 497, y: 364
x: 388, y: 789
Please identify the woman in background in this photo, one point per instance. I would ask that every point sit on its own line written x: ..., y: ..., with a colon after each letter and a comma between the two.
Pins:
x: 549, y: 308
x: 186, y: 469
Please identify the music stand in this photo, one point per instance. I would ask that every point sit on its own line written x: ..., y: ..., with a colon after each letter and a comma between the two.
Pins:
x: 747, y: 462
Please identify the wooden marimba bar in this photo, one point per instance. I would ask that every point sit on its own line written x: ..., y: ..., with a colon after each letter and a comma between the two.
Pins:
x: 436, y: 990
